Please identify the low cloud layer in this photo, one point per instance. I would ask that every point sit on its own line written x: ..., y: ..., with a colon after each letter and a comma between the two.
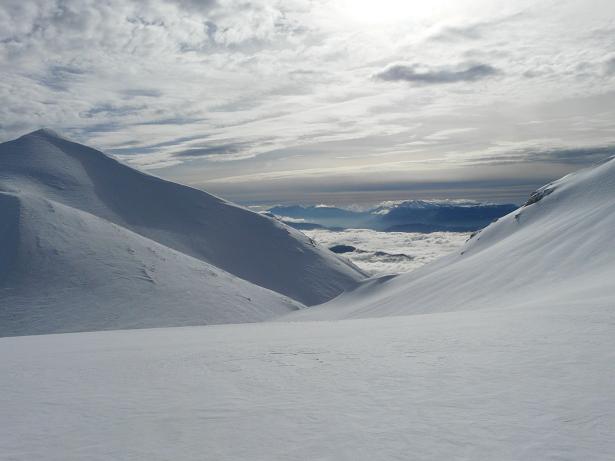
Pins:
x: 380, y: 253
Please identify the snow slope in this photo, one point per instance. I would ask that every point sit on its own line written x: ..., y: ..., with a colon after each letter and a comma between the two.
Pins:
x: 560, y: 247
x: 62, y: 269
x: 248, y: 245
x: 503, y: 384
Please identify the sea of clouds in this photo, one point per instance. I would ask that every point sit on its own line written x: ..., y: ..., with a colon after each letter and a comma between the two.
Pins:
x: 380, y: 253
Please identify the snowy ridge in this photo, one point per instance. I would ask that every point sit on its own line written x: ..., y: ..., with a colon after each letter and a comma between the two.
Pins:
x: 558, y: 248
x: 246, y: 244
x: 88, y: 243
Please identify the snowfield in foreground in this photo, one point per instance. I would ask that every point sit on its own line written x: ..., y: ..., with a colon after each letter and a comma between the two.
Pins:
x: 513, y: 384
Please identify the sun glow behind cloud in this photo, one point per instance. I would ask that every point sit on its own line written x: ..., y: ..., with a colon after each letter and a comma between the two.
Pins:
x: 390, y: 12
x: 382, y: 12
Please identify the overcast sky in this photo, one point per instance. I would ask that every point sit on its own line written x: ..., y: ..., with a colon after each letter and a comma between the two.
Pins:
x: 336, y: 101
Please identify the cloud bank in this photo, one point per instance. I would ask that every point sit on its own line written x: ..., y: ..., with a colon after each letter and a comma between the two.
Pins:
x: 380, y: 253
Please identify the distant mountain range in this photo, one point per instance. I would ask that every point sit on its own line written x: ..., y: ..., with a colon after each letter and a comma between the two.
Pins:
x: 405, y: 216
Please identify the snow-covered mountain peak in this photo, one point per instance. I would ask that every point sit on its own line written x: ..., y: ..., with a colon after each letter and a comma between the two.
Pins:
x: 44, y: 176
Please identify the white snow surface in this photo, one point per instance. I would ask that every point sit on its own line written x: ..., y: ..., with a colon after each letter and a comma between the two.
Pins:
x: 87, y: 243
x: 559, y: 248
x: 500, y: 384
x: 246, y: 244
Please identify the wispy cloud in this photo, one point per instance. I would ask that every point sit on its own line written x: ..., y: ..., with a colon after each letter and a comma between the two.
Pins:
x: 215, y: 150
x: 204, y: 89
x: 579, y: 156
x: 474, y: 30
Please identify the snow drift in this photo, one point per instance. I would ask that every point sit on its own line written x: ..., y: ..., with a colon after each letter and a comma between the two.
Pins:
x: 89, y: 243
x: 558, y: 247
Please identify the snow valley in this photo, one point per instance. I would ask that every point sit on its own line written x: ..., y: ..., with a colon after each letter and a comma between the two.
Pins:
x: 502, y: 349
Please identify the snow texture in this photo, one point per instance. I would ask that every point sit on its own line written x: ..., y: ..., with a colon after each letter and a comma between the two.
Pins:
x: 501, y: 384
